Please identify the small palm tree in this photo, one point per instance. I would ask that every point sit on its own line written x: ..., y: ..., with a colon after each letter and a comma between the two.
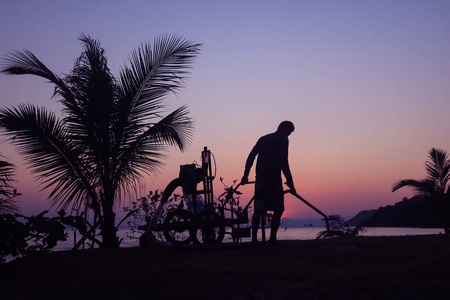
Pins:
x: 435, y: 185
x: 339, y: 228
x: 7, y: 192
x: 111, y: 130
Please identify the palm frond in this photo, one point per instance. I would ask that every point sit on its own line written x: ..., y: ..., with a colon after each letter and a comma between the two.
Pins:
x: 176, y: 129
x: 153, y: 73
x: 43, y: 142
x: 438, y: 168
x: 8, y: 206
x: 423, y: 187
x: 143, y: 154
x: 6, y: 173
x: 93, y: 87
x: 25, y: 62
x: 8, y: 203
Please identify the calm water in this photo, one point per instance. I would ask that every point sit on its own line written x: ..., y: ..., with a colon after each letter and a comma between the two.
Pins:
x: 291, y: 233
x: 310, y: 233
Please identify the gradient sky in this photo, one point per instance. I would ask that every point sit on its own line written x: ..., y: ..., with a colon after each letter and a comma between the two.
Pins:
x: 366, y: 83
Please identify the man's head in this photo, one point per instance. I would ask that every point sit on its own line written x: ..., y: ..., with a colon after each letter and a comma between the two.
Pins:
x: 286, y: 127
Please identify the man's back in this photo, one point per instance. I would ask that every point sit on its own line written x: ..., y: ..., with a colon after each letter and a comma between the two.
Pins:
x: 272, y: 152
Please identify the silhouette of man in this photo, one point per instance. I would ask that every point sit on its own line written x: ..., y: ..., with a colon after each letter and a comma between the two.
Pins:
x: 272, y: 151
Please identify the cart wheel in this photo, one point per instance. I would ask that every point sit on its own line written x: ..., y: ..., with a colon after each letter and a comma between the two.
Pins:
x: 208, y: 228
x: 180, y: 234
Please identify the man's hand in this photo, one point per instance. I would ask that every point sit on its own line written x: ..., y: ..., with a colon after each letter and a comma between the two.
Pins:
x: 244, y: 180
x: 291, y: 188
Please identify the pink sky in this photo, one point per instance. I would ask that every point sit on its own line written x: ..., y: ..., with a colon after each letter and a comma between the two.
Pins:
x: 365, y: 83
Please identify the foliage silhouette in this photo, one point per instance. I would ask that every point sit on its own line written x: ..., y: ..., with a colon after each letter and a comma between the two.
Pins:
x: 339, y: 228
x: 8, y: 193
x: 435, y: 186
x: 142, y: 211
x: 111, y: 130
x: 35, y: 233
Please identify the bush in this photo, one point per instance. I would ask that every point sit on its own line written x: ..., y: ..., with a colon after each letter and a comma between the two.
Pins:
x: 35, y: 233
x: 339, y: 228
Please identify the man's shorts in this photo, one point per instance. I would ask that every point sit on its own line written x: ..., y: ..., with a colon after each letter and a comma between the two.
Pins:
x: 269, y: 195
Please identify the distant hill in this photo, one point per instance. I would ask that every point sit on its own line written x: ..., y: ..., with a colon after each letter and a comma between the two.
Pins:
x: 361, y: 217
x: 414, y: 212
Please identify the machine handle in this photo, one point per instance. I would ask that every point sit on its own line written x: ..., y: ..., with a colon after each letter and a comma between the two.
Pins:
x: 299, y: 197
x: 312, y: 206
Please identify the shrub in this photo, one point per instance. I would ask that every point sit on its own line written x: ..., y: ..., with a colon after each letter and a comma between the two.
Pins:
x: 21, y: 235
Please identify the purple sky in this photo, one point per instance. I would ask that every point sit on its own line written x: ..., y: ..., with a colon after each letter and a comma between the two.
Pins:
x: 367, y: 84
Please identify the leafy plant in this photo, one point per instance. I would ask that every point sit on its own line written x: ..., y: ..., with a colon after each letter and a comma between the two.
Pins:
x: 35, y: 233
x: 227, y: 197
x: 143, y: 209
x: 339, y: 228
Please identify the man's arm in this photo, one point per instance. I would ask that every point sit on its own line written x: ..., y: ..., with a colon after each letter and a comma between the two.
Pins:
x: 249, y: 164
x: 288, y: 176
x: 285, y: 167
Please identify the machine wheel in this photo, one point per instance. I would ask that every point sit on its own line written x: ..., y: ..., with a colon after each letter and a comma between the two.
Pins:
x: 180, y: 234
x: 208, y: 228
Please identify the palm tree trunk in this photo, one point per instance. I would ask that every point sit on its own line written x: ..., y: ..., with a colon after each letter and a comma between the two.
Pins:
x: 108, y: 231
x: 446, y: 220
x: 445, y: 200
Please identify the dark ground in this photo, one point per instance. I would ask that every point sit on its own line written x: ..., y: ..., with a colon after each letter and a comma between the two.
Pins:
x: 411, y: 267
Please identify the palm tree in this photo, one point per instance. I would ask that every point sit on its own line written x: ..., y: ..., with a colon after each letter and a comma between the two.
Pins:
x: 111, y: 130
x: 435, y: 185
x: 7, y: 192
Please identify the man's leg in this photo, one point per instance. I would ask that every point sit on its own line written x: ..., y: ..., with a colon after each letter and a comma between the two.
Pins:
x: 276, y: 218
x: 255, y: 225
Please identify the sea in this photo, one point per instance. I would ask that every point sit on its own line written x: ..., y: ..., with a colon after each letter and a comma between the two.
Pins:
x: 284, y: 233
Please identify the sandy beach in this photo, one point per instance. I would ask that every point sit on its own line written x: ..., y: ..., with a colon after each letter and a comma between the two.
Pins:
x: 409, y: 267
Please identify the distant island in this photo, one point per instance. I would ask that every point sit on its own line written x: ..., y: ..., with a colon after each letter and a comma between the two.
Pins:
x: 413, y: 212
x: 287, y: 222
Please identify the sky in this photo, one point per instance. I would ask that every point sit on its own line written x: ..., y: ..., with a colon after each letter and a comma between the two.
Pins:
x: 366, y: 83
